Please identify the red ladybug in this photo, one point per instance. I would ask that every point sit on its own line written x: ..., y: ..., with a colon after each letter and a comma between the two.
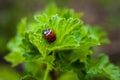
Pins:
x: 50, y: 36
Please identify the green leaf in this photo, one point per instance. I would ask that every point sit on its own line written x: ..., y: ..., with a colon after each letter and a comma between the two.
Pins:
x: 15, y: 57
x: 62, y: 12
x: 63, y: 29
x: 70, y: 75
x: 15, y: 45
x: 22, y: 26
x: 102, y: 67
x: 8, y: 73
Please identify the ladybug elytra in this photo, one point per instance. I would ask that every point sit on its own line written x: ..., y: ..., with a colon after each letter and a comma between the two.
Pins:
x: 50, y: 36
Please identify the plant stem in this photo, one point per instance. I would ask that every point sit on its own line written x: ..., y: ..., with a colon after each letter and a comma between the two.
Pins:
x: 46, y: 73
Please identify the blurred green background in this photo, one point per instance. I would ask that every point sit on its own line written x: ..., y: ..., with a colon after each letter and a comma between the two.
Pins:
x: 105, y: 13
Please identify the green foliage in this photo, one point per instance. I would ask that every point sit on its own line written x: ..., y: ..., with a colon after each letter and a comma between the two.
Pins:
x: 102, y: 67
x: 69, y: 56
x: 7, y: 73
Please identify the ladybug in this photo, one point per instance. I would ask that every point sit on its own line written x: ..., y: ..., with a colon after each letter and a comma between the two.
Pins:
x: 50, y: 35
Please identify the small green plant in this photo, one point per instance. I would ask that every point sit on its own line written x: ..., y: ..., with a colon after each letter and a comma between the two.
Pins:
x: 68, y: 57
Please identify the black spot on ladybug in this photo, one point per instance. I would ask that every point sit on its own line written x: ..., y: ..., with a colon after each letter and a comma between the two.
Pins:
x: 50, y: 35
